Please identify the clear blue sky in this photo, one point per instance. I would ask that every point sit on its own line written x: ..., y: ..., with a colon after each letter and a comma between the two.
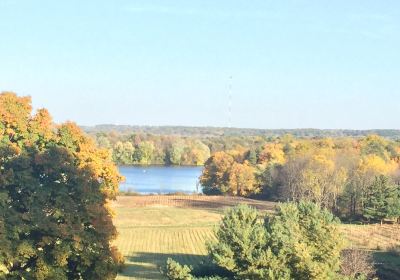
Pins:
x: 295, y: 64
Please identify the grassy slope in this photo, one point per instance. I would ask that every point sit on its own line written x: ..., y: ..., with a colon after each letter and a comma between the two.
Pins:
x: 153, y: 228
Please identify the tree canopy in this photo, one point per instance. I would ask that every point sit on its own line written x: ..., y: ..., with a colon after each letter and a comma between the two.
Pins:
x: 55, y: 222
x: 339, y: 174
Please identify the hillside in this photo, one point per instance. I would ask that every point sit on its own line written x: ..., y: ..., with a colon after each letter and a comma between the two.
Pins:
x: 225, y: 131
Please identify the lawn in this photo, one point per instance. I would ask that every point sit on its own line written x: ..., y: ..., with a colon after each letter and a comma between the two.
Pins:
x: 153, y: 228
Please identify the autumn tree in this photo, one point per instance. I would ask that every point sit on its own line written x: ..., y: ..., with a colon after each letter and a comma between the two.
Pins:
x: 196, y: 153
x: 55, y: 222
x: 216, y: 173
x: 242, y: 179
x: 362, y: 178
x: 314, y: 177
x: 272, y: 153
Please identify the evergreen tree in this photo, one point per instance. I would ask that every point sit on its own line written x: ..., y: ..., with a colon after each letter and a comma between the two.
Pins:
x: 382, y: 200
x: 301, y: 241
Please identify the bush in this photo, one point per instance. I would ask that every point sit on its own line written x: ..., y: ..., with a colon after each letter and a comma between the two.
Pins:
x: 176, y: 271
x: 357, y: 264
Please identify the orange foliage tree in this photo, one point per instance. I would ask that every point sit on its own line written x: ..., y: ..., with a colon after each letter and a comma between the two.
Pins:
x: 55, y: 186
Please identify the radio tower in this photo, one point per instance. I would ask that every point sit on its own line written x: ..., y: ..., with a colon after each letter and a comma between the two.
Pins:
x: 230, y: 102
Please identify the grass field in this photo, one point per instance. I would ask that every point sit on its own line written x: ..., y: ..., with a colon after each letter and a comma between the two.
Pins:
x: 153, y: 228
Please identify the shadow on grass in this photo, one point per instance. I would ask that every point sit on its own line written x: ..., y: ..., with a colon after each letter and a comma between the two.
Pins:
x: 222, y: 203
x: 387, y: 265
x: 151, y: 265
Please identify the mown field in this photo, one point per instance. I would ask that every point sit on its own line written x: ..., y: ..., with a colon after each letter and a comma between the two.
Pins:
x: 153, y: 228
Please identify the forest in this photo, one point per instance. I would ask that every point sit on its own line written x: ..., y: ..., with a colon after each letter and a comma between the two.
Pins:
x: 355, y: 177
x: 193, y: 146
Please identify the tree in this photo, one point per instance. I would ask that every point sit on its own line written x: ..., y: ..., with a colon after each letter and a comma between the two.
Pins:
x: 123, y: 152
x: 272, y: 153
x: 314, y: 177
x: 175, y: 152
x: 251, y: 156
x: 361, y: 179
x: 103, y: 142
x: 197, y: 153
x: 54, y: 189
x: 382, y: 200
x: 301, y: 241
x: 242, y: 246
x: 308, y: 239
x: 375, y: 145
x: 242, y: 179
x: 216, y: 172
x: 144, y: 153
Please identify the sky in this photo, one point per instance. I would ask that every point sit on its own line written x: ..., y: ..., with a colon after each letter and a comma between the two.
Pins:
x: 239, y: 63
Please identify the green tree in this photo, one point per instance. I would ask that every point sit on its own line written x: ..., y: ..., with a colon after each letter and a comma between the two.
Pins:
x: 375, y: 145
x: 103, y: 142
x: 54, y: 189
x: 301, y: 241
x: 123, y: 152
x: 175, y: 152
x: 382, y: 200
x: 144, y: 153
x: 251, y: 156
x: 242, y: 246
x: 307, y: 239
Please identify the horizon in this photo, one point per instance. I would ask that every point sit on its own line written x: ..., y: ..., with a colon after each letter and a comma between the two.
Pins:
x: 235, y: 127
x: 264, y: 65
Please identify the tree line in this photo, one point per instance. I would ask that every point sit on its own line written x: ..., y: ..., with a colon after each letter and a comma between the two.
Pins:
x: 151, y: 149
x: 353, y: 177
x: 202, y: 132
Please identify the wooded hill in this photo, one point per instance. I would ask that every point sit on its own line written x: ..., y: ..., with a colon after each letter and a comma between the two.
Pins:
x: 228, y: 131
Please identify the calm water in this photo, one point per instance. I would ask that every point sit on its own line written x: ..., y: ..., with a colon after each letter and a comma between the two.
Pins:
x: 160, y: 179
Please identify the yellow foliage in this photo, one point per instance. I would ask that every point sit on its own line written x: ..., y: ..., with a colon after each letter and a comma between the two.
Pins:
x: 272, y: 153
x: 375, y: 165
x: 242, y: 180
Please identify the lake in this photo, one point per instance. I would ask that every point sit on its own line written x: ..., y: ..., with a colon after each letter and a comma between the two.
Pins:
x: 160, y: 179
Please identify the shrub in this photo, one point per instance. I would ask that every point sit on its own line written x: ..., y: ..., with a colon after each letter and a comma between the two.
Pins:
x: 176, y: 271
x: 357, y: 264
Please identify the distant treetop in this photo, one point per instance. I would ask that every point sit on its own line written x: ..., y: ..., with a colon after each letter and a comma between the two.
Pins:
x: 227, y: 131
